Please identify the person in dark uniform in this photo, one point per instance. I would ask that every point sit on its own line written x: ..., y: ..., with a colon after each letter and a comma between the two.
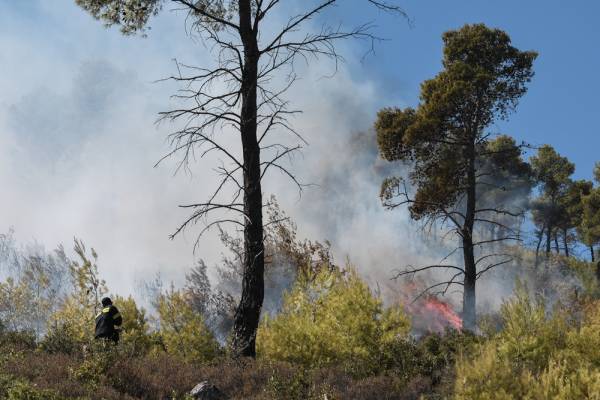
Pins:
x: 108, y: 321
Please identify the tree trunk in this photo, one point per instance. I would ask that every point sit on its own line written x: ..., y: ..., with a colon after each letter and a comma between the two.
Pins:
x: 556, y: 248
x: 469, y: 304
x: 247, y: 315
x: 539, y: 243
x: 565, y: 242
x: 548, y: 240
x: 592, y: 253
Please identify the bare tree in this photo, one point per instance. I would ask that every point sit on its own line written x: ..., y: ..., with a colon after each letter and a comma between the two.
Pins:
x: 242, y: 92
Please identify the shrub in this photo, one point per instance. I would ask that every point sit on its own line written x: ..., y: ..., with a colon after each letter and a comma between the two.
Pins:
x: 529, y: 338
x: 60, y: 338
x: 100, y: 356
x: 17, y: 340
x: 535, y: 356
x: 487, y: 377
x: 584, y: 343
x: 20, y: 390
x: 564, y: 381
x: 586, y: 273
x: 332, y: 319
x: 135, y: 339
x: 294, y: 386
x: 182, y: 330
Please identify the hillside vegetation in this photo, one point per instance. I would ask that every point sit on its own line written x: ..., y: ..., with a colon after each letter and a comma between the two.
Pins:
x: 332, y: 337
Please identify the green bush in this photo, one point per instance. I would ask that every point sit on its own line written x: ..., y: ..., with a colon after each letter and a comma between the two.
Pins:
x: 535, y: 356
x: 564, y: 381
x: 332, y: 319
x: 529, y: 338
x: 20, y: 340
x: 24, y: 391
x: 586, y: 273
x: 135, y: 338
x: 100, y: 355
x: 59, y: 339
x: 183, y: 332
x: 296, y: 386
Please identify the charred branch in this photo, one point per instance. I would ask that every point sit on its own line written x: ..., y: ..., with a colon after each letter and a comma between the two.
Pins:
x: 413, y: 271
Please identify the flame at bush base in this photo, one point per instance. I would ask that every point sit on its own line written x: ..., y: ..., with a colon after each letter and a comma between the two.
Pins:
x: 430, y: 314
x: 446, y: 314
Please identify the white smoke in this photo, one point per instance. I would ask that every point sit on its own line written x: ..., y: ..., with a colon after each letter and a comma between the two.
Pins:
x: 78, y: 144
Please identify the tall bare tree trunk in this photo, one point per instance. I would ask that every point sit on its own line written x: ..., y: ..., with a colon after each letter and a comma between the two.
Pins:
x: 565, y: 242
x: 247, y: 314
x: 556, y: 247
x: 592, y: 253
x: 469, y: 305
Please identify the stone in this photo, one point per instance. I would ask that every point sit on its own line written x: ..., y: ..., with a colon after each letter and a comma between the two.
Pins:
x: 206, y: 391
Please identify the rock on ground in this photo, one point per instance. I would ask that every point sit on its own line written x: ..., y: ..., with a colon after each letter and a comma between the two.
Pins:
x: 207, y: 391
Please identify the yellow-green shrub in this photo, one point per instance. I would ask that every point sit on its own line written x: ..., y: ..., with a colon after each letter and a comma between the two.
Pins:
x: 564, y: 381
x: 488, y: 377
x: 20, y: 390
x: 183, y: 331
x: 528, y: 338
x: 535, y: 357
x: 331, y: 318
x: 72, y: 324
x: 135, y: 337
x: 586, y: 273
x: 73, y: 321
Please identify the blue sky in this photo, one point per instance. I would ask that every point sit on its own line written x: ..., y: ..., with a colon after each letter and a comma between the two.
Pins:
x: 78, y: 140
x: 562, y: 104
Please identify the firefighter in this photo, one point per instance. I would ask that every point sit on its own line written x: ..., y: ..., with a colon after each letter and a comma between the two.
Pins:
x: 108, y: 321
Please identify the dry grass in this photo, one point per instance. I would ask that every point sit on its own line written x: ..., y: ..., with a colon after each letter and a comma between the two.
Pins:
x: 160, y: 377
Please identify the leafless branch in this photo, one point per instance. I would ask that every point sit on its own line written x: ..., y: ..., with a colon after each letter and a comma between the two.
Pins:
x: 447, y: 284
x: 485, y: 257
x: 491, y: 266
x: 421, y: 269
x: 209, y: 101
x: 499, y: 211
x: 502, y: 239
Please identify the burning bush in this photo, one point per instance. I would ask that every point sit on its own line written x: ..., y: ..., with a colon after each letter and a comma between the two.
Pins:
x: 429, y: 314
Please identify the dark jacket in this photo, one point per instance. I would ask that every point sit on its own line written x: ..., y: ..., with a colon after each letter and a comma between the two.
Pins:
x: 108, y: 323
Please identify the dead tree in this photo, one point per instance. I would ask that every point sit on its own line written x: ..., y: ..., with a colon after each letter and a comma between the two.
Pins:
x: 242, y: 93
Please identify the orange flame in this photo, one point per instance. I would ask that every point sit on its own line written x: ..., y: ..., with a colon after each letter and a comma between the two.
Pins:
x: 444, y: 311
x: 429, y: 313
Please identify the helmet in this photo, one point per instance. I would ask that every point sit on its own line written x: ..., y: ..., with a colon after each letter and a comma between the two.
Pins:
x: 106, y: 302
